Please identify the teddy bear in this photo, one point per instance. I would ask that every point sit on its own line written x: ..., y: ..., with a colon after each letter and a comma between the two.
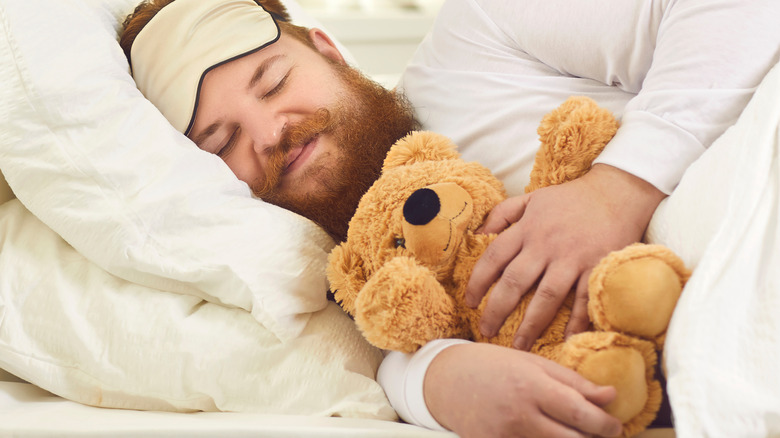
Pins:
x: 413, y: 242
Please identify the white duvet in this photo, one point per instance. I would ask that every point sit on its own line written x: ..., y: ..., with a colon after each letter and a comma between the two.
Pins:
x: 723, y: 348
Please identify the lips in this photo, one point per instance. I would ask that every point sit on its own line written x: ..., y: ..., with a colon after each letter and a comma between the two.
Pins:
x: 299, y: 155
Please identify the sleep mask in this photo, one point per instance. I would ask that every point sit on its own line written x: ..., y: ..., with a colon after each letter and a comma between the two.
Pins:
x: 185, y: 40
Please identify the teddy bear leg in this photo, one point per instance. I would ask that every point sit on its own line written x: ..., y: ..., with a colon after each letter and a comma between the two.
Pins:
x: 635, y: 290
x: 624, y: 362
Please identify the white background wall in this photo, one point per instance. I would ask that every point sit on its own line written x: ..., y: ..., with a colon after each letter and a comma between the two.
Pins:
x: 381, y: 34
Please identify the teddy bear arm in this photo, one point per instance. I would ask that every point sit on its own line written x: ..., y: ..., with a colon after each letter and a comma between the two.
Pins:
x: 571, y: 137
x: 403, y: 306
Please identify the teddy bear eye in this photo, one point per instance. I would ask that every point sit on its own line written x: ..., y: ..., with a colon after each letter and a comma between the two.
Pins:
x: 400, y: 242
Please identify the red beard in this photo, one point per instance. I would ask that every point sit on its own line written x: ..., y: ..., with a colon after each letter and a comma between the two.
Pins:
x: 365, y: 125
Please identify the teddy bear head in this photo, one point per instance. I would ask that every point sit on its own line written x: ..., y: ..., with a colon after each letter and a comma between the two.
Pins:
x: 424, y: 208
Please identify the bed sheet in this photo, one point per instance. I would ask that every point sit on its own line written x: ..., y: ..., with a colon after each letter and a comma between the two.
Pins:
x: 28, y: 411
x: 23, y: 405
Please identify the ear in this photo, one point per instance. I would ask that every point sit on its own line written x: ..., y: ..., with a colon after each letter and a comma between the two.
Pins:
x: 420, y: 146
x: 325, y: 45
x: 346, y: 276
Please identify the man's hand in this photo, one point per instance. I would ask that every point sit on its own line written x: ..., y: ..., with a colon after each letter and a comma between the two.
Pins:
x: 553, y: 238
x: 483, y: 390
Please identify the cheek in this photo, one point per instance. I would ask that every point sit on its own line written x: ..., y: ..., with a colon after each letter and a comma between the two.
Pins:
x: 320, y: 88
x: 245, y: 169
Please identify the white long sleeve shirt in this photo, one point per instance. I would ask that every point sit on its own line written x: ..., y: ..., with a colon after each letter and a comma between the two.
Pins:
x: 676, y: 72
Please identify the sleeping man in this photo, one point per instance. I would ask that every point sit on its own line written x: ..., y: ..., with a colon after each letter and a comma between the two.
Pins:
x: 279, y: 104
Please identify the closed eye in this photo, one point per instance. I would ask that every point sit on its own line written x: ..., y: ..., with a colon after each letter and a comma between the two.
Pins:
x: 223, y: 151
x: 278, y: 88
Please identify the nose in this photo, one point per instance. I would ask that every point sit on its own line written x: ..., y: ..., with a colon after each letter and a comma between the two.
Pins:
x: 265, y: 129
x: 421, y: 207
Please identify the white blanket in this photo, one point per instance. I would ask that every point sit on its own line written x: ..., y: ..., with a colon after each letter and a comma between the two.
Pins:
x: 723, y: 348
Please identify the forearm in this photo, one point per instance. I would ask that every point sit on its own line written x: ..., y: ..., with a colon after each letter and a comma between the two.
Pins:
x: 445, y: 399
x: 628, y: 198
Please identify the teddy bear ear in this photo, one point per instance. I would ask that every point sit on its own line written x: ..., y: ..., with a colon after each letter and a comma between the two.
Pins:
x: 420, y: 146
x: 346, y: 276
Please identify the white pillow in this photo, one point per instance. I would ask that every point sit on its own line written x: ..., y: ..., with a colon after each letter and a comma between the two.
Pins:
x: 73, y: 329
x: 6, y: 194
x: 95, y: 161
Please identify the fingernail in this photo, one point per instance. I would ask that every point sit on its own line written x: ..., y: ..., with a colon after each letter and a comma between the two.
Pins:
x: 520, y: 343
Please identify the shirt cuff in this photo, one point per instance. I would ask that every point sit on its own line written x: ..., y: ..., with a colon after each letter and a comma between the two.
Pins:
x: 651, y: 148
x: 402, y: 376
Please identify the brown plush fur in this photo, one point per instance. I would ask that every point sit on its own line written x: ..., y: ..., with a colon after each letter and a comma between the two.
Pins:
x: 403, y: 274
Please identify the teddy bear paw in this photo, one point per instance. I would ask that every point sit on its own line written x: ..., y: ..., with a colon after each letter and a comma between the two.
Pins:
x: 627, y: 364
x: 403, y: 307
x: 635, y: 291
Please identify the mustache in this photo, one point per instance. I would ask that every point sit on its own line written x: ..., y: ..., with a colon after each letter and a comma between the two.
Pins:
x: 296, y: 135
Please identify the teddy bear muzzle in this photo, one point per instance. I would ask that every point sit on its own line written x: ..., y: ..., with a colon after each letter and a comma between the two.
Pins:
x: 435, y: 219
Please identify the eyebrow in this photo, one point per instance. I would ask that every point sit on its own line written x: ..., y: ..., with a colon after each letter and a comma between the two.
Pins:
x: 261, y: 69
x: 206, y: 133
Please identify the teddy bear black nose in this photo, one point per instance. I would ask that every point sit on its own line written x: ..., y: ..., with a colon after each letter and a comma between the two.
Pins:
x: 421, y: 207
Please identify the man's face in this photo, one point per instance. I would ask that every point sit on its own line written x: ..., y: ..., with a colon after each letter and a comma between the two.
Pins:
x: 305, y: 131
